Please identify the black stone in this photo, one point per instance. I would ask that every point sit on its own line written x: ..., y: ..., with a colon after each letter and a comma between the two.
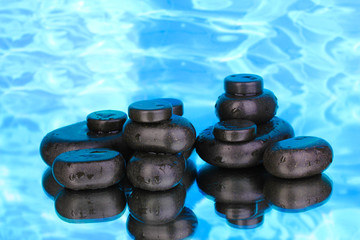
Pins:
x: 298, y: 195
x: 235, y: 130
x: 90, y: 205
x: 150, y: 111
x: 77, y: 136
x: 177, y: 105
x: 157, y: 207
x: 244, y: 84
x: 106, y: 121
x: 182, y: 227
x: 50, y: 186
x: 89, y: 168
x: 155, y: 172
x: 258, y: 109
x: 231, y: 185
x: 171, y: 136
x: 298, y: 157
x: 244, y: 154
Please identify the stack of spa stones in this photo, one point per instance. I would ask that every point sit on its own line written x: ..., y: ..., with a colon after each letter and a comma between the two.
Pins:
x: 248, y: 128
x: 149, y: 150
x: 248, y: 135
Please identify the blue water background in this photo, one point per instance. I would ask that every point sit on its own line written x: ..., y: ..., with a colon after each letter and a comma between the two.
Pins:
x: 60, y: 60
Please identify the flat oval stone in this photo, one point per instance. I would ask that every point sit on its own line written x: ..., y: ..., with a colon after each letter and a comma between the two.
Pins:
x: 182, y: 227
x: 244, y: 84
x: 235, y: 130
x: 155, y: 172
x: 90, y: 205
x: 150, y: 111
x: 243, y: 154
x: 231, y: 185
x: 298, y: 195
x: 258, y: 109
x: 189, y: 175
x: 298, y: 157
x: 106, y: 121
x: 157, y: 207
x: 177, y: 105
x: 77, y: 136
x: 171, y: 136
x: 50, y: 186
x: 89, y: 168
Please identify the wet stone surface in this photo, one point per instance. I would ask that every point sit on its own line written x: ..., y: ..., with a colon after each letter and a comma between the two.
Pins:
x: 244, y: 84
x: 89, y: 168
x: 150, y: 111
x: 258, y: 109
x: 106, y: 121
x: 77, y: 136
x: 172, y: 136
x: 242, y: 154
x: 235, y: 130
x: 298, y: 157
x: 177, y: 105
x: 155, y: 172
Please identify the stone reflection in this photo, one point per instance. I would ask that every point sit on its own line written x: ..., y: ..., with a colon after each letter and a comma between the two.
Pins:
x: 297, y: 195
x: 90, y: 205
x: 238, y: 194
x: 86, y: 205
x: 243, y: 196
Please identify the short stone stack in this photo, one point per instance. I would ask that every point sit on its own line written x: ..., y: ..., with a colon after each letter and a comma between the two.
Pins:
x: 159, y: 139
x: 249, y: 133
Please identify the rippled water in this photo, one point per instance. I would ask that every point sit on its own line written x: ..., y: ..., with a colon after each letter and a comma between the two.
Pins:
x: 60, y: 60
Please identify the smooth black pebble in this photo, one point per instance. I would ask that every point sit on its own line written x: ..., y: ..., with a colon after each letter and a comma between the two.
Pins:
x: 177, y: 105
x: 155, y: 172
x: 157, y: 207
x: 244, y: 84
x: 182, y: 227
x: 90, y: 205
x: 106, y: 121
x: 89, y: 168
x: 242, y: 154
x: 150, y: 111
x: 235, y: 130
x: 298, y: 157
x: 77, y: 136
x: 258, y: 109
x: 172, y: 136
x: 297, y: 195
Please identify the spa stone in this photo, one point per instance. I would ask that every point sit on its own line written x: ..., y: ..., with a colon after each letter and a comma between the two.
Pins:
x: 258, y: 109
x: 50, y: 186
x: 77, y: 136
x: 242, y: 154
x: 298, y: 157
x: 89, y: 168
x: 181, y: 228
x: 177, y: 105
x: 171, y: 136
x: 235, y: 130
x: 150, y: 111
x: 244, y: 84
x: 157, y: 207
x: 155, y: 172
x: 106, y: 121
